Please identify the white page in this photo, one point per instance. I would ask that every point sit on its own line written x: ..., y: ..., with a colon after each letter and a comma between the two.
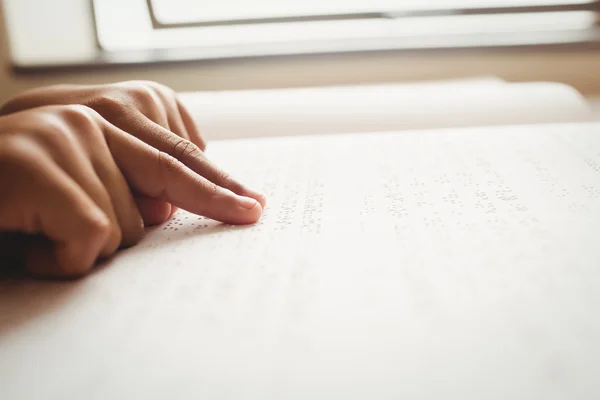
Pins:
x: 459, y: 264
x: 371, y: 108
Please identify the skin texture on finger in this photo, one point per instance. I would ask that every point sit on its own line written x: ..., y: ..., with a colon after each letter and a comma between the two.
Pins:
x: 175, y: 122
x: 188, y: 153
x: 73, y: 138
x: 159, y: 113
x: 127, y: 102
x: 121, y: 101
x: 110, y: 176
x: 76, y: 228
x: 124, y: 205
x: 157, y: 175
x: 157, y: 102
x: 134, y: 106
x: 68, y: 125
x: 52, y: 95
x: 191, y: 127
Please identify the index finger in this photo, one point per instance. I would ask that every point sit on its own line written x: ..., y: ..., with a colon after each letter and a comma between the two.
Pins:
x: 158, y: 175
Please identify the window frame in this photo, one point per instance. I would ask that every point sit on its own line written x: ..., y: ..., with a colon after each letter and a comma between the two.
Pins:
x: 590, y: 5
x: 112, y: 35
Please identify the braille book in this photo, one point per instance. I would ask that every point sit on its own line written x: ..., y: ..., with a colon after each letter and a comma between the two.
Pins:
x: 444, y: 264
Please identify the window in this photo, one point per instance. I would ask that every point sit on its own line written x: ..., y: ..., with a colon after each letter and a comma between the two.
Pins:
x: 184, y: 29
x: 172, y: 12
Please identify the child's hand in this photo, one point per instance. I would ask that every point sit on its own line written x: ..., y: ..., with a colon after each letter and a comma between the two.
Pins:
x: 68, y: 174
x: 131, y: 106
x: 149, y: 111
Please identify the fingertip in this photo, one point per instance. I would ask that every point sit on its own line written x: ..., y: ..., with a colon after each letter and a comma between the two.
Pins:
x: 248, y: 203
x: 233, y: 209
x: 261, y: 198
x: 249, y: 211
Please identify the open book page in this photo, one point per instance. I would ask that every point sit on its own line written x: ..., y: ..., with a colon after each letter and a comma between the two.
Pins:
x: 292, y: 112
x: 459, y: 264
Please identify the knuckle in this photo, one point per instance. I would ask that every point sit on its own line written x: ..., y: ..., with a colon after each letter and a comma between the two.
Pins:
x: 63, y: 125
x: 74, y: 111
x: 183, y: 148
x: 143, y: 93
x: 98, y: 227
x: 108, y: 103
x: 160, y: 88
x: 15, y: 151
x: 139, y: 96
x: 79, y: 115
x: 52, y: 133
x: 115, y: 237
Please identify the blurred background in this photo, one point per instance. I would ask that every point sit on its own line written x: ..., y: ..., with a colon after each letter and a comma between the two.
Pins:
x: 195, y: 45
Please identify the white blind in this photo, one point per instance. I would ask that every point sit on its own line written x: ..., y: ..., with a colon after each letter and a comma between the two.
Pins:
x: 185, y: 11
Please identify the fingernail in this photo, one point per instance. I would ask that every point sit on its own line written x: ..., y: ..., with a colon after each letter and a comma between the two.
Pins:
x: 262, y: 199
x: 247, y: 202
